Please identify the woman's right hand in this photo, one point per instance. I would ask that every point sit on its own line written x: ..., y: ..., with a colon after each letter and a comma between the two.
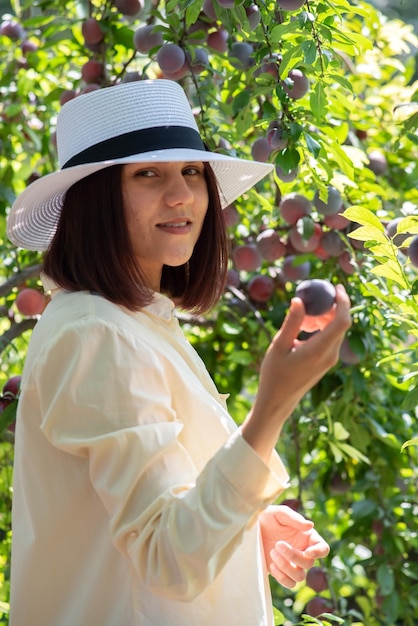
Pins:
x: 291, y: 367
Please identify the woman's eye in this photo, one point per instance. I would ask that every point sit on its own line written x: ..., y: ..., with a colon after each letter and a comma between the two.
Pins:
x: 144, y: 173
x: 192, y: 171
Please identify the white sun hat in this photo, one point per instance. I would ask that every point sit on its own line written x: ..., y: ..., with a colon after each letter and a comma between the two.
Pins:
x: 143, y: 121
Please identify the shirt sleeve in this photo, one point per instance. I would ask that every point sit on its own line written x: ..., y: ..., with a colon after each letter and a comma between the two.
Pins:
x: 107, y: 398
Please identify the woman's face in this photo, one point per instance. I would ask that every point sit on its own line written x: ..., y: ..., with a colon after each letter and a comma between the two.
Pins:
x: 165, y: 205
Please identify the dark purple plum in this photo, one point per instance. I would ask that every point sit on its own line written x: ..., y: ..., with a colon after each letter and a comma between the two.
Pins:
x: 317, y: 295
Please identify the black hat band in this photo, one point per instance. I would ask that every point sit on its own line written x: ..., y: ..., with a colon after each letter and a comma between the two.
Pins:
x: 137, y: 142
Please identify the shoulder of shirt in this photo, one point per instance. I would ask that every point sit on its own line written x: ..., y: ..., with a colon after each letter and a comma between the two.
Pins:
x: 77, y: 313
x: 73, y: 306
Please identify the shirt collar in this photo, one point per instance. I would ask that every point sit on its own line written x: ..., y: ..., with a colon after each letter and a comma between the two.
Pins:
x: 161, y: 306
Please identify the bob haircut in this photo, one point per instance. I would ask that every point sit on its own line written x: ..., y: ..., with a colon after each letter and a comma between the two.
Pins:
x: 91, y: 249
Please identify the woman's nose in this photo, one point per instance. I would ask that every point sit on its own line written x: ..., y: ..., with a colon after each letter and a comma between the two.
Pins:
x: 177, y: 191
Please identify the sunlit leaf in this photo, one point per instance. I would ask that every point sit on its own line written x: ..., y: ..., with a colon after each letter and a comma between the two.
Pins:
x: 367, y: 233
x: 363, y: 216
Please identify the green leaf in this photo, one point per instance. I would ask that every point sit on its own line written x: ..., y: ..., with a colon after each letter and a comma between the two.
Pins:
x: 411, y: 442
x: 337, y: 454
x: 192, y: 11
x: 344, y: 82
x: 124, y: 37
x: 288, y: 159
x: 279, y: 618
x: 309, y: 51
x: 408, y: 225
x: 240, y: 101
x: 410, y: 402
x: 353, y: 453
x: 386, y: 579
x: 318, y: 101
x: 340, y: 432
x: 8, y: 416
x: 231, y: 329
x: 391, y: 271
x: 363, y: 216
x: 364, y: 508
x: 313, y: 145
x: 367, y: 233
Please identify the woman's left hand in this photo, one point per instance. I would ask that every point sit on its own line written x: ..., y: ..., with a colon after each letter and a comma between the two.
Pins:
x: 291, y: 544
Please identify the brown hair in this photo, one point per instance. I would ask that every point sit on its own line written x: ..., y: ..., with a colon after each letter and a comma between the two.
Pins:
x: 91, y: 249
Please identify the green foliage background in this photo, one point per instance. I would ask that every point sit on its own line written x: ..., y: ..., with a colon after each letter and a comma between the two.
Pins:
x: 347, y: 446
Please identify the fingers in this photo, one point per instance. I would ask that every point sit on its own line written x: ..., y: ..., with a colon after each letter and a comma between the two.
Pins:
x: 289, y: 566
x: 286, y: 516
x: 318, y: 550
x: 291, y: 326
x: 342, y: 317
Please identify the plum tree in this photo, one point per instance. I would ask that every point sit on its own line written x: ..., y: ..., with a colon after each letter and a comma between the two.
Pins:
x: 377, y: 162
x: 12, y: 386
x: 231, y: 215
x: 294, y: 206
x: 269, y: 65
x: 261, y: 149
x: 305, y: 235
x: 197, y: 60
x: 92, y: 71
x: 276, y: 136
x: 198, y: 32
x: 331, y: 205
x: 413, y: 251
x: 270, y: 245
x: 171, y: 58
x: 317, y: 579
x: 27, y: 46
x: 232, y: 278
x: 347, y: 354
x: 336, y: 221
x: 146, y: 38
x: 332, y: 243
x: 129, y: 7
x: 317, y: 295
x: 293, y: 269
x: 229, y: 4
x: 347, y: 263
x: 30, y: 302
x: 247, y: 257
x: 240, y: 55
x: 334, y: 133
x: 290, y: 5
x: 12, y: 29
x: 218, y: 40
x: 92, y: 31
x: 261, y: 288
x: 317, y: 606
x: 253, y: 15
x: 296, y: 84
x: 209, y: 10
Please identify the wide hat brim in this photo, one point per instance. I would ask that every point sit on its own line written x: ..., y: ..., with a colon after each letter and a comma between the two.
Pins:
x: 34, y: 216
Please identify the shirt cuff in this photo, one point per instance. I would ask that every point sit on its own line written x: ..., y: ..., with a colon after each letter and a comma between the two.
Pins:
x: 258, y: 483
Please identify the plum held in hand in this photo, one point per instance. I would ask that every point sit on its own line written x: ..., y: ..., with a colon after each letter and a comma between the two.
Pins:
x: 317, y: 295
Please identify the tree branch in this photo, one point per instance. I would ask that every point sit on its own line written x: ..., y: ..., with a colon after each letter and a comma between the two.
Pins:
x: 20, y: 277
x: 16, y: 330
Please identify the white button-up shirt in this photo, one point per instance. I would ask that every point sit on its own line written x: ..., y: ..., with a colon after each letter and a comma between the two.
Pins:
x: 135, y: 496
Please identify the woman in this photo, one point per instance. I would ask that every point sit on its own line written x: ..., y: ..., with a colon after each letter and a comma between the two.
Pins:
x: 137, y: 501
